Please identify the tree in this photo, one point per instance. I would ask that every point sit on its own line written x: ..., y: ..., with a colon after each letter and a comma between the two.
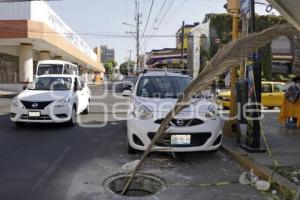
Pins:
x: 109, y: 66
x: 124, y: 68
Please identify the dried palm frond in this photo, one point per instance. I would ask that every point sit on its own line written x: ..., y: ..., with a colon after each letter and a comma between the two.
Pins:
x: 231, y: 54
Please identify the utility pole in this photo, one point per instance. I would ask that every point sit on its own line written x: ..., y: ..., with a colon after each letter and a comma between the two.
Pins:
x: 182, y: 44
x: 137, y: 18
x: 255, y: 144
x: 233, y: 7
x: 129, y: 61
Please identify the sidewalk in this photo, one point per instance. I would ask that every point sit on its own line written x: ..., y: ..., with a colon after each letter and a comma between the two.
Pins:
x: 285, y: 146
x: 7, y: 94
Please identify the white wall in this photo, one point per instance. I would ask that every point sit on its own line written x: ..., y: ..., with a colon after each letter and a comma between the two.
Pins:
x: 42, y: 12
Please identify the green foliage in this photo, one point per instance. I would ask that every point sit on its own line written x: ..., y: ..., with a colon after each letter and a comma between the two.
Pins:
x: 204, y: 58
x: 266, y: 61
x: 124, y: 70
x: 221, y: 24
x: 109, y: 66
x: 266, y: 21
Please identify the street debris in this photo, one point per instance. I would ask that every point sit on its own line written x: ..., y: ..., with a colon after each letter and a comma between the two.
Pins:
x: 130, y: 166
x: 262, y: 185
x: 249, y: 178
x: 295, y: 179
x: 274, y: 192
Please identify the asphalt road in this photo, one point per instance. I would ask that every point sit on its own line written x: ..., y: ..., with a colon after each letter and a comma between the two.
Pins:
x: 55, y: 162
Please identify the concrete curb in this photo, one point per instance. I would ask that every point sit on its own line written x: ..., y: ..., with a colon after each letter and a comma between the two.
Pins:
x: 261, y: 171
x: 8, y: 96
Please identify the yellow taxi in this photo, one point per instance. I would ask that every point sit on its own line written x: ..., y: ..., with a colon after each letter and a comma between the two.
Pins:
x: 272, y: 94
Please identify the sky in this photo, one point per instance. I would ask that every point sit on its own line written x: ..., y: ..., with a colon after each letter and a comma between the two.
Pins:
x: 97, y: 20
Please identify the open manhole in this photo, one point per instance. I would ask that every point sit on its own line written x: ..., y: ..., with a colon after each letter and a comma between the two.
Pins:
x: 142, y: 184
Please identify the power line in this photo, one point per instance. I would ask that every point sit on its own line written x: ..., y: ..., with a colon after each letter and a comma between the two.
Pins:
x: 161, y: 20
x: 159, y: 12
x: 167, y: 11
x: 148, y: 18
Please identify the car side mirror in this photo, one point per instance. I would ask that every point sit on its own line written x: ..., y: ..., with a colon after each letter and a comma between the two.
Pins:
x: 24, y: 87
x: 127, y: 93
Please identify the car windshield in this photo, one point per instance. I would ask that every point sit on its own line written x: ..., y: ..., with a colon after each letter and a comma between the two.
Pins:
x: 49, y: 69
x: 130, y: 79
x: 51, y: 83
x: 162, y: 86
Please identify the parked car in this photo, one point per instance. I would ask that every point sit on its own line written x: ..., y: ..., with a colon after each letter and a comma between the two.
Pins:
x: 272, y: 94
x: 196, y: 128
x: 51, y: 99
x: 129, y: 82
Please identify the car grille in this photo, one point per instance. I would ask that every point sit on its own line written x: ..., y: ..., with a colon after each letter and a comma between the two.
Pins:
x: 35, y: 104
x: 197, y: 139
x: 182, y: 122
x: 42, y: 117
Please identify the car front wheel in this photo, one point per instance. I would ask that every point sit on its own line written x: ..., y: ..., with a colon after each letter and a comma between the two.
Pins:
x: 73, y: 119
x: 130, y: 150
x: 87, y: 110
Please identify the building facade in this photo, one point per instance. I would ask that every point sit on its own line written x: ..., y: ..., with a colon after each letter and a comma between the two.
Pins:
x: 31, y: 31
x: 107, y: 54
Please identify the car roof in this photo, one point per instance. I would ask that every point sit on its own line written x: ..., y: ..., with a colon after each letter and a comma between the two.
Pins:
x: 54, y: 62
x: 164, y: 73
x: 273, y: 82
x: 59, y: 75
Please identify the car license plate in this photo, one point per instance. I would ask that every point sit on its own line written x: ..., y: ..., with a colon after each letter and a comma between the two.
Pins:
x: 34, y: 114
x: 181, y: 139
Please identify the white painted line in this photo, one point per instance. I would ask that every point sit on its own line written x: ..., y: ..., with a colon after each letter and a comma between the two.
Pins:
x: 45, y: 177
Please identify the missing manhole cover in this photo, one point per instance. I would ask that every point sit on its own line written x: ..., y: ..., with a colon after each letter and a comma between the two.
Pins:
x: 142, y: 184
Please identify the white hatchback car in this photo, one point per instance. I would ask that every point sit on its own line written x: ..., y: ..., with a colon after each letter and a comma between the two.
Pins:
x: 196, y: 128
x: 51, y: 99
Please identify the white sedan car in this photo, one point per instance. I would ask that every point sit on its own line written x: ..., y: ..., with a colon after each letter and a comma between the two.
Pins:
x: 51, y: 99
x: 196, y: 128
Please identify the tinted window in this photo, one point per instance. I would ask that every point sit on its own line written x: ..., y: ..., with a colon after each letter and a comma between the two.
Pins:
x: 131, y: 79
x: 77, y: 84
x: 162, y: 86
x: 266, y: 88
x: 66, y: 69
x: 279, y: 88
x: 49, y: 69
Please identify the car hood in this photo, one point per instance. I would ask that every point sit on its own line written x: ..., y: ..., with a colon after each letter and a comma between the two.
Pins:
x: 32, y: 95
x: 199, y: 105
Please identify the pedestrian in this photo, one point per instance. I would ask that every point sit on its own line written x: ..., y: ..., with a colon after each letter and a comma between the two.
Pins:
x: 290, y: 109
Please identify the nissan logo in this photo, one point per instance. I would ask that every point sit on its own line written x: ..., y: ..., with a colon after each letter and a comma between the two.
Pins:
x: 180, y: 122
x: 34, y: 105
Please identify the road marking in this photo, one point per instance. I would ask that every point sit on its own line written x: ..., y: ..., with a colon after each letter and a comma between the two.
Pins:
x: 46, y: 176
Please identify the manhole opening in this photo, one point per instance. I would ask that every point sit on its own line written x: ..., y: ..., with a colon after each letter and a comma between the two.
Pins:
x: 142, y: 185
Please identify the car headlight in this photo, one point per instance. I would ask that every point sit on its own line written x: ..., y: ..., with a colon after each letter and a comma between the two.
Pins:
x: 15, y: 102
x: 62, y: 102
x: 211, y: 112
x: 142, y: 112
